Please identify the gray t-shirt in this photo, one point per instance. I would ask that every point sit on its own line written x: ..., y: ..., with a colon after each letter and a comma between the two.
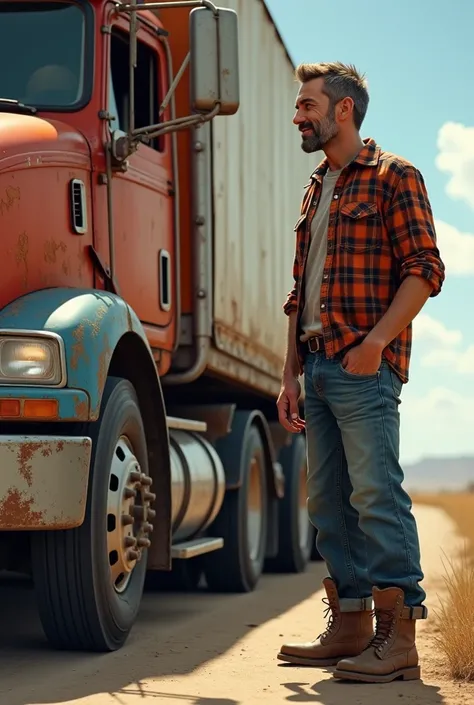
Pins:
x: 311, y: 317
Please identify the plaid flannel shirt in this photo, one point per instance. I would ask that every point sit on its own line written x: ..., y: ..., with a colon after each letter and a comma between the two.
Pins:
x: 380, y: 231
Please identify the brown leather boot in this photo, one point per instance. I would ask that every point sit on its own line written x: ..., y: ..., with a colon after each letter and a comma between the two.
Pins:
x: 392, y: 652
x: 347, y: 634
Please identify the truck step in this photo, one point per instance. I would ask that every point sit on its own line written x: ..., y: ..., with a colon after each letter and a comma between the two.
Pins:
x: 196, y: 547
x: 186, y: 424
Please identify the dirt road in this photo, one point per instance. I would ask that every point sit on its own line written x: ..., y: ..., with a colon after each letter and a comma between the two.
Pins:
x: 214, y: 650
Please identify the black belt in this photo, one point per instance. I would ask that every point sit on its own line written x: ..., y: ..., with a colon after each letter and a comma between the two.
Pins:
x: 315, y: 344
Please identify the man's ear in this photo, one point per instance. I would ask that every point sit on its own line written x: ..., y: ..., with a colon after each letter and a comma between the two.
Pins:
x: 344, y: 109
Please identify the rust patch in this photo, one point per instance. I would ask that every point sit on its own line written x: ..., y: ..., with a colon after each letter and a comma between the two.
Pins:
x: 51, y: 248
x: 21, y: 255
x: 78, y: 346
x: 16, y: 510
x: 59, y: 446
x: 25, y: 453
x: 12, y: 194
x: 96, y: 325
x: 81, y: 409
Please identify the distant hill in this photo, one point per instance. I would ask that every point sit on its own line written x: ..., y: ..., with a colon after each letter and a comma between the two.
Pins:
x: 435, y: 474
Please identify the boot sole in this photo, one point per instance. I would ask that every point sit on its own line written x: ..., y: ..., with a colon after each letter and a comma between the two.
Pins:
x: 315, y: 663
x: 404, y: 674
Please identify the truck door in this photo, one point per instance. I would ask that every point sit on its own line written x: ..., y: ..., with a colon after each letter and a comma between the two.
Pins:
x: 142, y: 204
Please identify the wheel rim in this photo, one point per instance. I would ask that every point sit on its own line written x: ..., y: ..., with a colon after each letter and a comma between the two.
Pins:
x: 255, y: 509
x: 128, y: 514
x: 304, y: 526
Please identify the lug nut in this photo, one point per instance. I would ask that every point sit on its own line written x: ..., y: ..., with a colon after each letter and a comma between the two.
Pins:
x: 130, y: 541
x: 144, y: 542
x: 138, y: 512
x: 146, y: 481
x: 149, y: 496
x: 150, y: 514
x: 132, y: 555
x: 129, y: 493
x: 135, y: 476
x: 127, y: 520
x: 147, y: 527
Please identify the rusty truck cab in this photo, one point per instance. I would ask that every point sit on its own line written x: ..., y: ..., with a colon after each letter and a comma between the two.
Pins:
x: 89, y: 298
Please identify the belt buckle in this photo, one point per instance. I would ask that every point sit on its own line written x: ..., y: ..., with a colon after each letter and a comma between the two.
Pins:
x: 316, y: 341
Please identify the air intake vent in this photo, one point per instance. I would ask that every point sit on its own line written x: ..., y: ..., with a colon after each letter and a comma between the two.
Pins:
x: 78, y: 207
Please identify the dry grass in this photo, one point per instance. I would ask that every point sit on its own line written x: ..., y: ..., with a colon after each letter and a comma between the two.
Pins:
x: 459, y: 506
x: 455, y: 616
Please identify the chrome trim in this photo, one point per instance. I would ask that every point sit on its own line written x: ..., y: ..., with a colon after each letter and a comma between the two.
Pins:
x: 22, y: 333
x: 82, y: 229
x: 165, y: 257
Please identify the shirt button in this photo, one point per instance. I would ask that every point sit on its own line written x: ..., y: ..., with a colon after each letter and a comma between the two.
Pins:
x: 336, y: 196
x: 326, y: 276
x: 323, y: 306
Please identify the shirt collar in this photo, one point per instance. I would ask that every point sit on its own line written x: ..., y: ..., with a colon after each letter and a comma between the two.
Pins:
x: 369, y: 155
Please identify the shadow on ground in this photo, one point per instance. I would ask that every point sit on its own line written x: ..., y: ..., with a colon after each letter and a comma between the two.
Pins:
x: 332, y: 692
x: 175, y: 634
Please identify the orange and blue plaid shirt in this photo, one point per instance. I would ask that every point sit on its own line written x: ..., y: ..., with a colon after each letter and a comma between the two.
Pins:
x: 380, y: 231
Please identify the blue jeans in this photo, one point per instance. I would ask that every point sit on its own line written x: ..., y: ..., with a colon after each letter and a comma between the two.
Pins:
x: 367, y: 533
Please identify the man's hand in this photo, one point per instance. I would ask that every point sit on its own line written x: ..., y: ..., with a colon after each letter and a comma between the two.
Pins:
x: 287, y: 404
x: 364, y: 359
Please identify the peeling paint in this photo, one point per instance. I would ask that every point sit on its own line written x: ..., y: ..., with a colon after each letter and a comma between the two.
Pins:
x: 21, y: 254
x: 78, y: 350
x: 51, y: 248
x: 12, y: 194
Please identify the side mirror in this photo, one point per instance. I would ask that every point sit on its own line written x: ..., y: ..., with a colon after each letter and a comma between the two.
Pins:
x: 214, y: 61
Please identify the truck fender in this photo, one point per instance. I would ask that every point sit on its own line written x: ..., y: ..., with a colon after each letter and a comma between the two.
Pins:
x: 102, y: 335
x: 230, y: 447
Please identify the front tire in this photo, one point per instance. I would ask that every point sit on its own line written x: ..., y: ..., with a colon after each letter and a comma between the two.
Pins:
x: 89, y: 581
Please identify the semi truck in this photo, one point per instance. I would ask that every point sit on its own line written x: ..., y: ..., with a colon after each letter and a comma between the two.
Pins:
x: 150, y: 179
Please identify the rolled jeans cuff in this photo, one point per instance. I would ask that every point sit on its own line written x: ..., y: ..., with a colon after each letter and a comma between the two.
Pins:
x: 361, y: 604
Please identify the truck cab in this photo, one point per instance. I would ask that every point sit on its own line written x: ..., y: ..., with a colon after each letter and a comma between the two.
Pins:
x: 114, y: 466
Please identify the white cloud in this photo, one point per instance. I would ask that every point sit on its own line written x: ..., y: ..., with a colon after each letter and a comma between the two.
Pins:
x: 430, y: 330
x: 456, y: 248
x: 458, y: 361
x: 456, y: 158
x: 439, y: 423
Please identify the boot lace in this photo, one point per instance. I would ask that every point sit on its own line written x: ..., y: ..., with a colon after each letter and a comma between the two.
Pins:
x: 384, y: 620
x: 329, y: 614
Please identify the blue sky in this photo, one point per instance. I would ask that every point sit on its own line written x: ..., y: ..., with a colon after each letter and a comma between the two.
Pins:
x: 419, y: 61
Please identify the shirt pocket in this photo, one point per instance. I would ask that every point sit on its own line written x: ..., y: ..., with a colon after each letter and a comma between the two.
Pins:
x: 360, y: 227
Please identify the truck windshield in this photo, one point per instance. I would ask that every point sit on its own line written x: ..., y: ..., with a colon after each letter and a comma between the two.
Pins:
x: 42, y: 54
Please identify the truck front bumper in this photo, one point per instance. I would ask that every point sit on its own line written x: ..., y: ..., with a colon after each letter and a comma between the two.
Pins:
x: 43, y: 481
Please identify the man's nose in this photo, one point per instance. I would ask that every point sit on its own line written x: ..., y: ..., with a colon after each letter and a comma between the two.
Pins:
x: 298, y: 119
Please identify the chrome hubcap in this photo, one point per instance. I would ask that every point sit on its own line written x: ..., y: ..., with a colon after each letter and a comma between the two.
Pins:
x: 254, y: 518
x: 128, y: 514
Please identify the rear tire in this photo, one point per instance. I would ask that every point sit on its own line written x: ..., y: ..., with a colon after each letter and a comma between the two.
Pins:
x: 295, y: 532
x: 242, y: 522
x: 89, y: 580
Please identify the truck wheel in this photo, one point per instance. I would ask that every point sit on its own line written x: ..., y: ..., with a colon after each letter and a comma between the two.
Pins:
x: 89, y: 580
x: 295, y: 532
x: 242, y: 522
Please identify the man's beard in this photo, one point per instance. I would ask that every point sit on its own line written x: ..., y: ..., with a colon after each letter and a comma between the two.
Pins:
x: 323, y: 132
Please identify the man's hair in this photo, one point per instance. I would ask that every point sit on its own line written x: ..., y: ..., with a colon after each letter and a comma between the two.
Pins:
x: 340, y: 81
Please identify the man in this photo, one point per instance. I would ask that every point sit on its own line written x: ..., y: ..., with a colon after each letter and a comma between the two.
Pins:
x: 366, y: 262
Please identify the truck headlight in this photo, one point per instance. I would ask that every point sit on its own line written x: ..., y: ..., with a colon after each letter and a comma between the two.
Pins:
x: 31, y: 360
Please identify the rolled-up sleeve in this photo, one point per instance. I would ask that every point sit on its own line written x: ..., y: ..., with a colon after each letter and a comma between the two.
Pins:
x: 409, y: 221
